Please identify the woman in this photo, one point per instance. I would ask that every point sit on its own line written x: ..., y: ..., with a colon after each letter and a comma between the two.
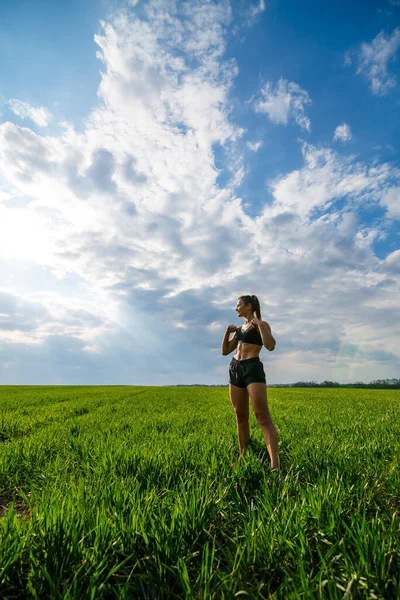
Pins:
x: 246, y: 374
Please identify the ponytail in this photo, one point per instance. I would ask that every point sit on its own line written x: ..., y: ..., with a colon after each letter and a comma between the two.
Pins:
x: 255, y: 304
x: 257, y: 308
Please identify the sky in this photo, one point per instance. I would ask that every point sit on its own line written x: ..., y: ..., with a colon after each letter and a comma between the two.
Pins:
x: 160, y: 158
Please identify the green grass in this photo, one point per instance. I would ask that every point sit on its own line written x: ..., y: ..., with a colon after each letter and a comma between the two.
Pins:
x: 129, y: 492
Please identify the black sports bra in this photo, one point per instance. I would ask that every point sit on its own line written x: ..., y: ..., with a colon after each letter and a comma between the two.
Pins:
x: 250, y: 336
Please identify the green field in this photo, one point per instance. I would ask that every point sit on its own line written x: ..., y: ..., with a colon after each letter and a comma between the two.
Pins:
x: 129, y: 492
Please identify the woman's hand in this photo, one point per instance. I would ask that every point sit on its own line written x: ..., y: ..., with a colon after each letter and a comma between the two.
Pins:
x: 231, y: 328
x: 256, y: 322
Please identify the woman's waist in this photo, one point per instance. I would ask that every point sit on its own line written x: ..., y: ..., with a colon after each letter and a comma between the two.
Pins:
x: 246, y: 360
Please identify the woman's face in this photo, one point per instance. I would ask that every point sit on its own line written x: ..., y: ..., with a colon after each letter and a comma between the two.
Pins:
x: 241, y: 308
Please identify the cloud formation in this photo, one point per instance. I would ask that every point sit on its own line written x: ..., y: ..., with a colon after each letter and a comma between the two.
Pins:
x: 139, y: 252
x: 41, y: 116
x: 326, y: 179
x: 373, y: 60
x: 256, y: 9
x: 254, y: 146
x: 342, y: 133
x: 284, y: 102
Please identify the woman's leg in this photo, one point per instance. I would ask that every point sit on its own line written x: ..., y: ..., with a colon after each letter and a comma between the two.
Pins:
x: 258, y: 395
x: 240, y: 402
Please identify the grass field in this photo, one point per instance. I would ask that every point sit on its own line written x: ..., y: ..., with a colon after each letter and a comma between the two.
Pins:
x: 129, y: 492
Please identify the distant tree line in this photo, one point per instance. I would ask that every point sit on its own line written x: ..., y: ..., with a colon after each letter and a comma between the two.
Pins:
x: 375, y: 384
x: 381, y: 384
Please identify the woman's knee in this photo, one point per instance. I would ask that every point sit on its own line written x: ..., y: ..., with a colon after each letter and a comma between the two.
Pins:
x: 242, y: 418
x: 264, y: 419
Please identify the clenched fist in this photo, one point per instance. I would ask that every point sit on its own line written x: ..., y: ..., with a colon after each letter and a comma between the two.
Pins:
x: 231, y: 328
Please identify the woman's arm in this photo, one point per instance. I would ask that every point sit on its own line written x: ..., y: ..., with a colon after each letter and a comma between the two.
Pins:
x: 267, y: 338
x: 227, y: 346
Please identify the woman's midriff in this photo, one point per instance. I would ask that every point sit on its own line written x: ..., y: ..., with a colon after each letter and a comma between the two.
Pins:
x: 245, y: 351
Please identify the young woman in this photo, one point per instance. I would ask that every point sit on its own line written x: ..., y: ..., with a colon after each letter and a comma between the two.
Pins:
x: 246, y: 374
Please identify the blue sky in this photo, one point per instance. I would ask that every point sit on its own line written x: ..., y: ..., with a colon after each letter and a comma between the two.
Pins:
x: 160, y: 158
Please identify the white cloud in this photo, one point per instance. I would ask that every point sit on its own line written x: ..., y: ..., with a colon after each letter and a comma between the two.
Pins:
x: 391, y: 201
x: 4, y: 195
x: 155, y: 175
x: 283, y: 102
x: 392, y: 262
x: 257, y: 9
x: 342, y: 133
x: 40, y: 116
x: 326, y: 178
x: 254, y: 146
x: 246, y: 14
x: 25, y: 233
x: 373, y: 60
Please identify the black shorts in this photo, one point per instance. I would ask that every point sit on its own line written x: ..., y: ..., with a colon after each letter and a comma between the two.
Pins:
x: 243, y: 372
